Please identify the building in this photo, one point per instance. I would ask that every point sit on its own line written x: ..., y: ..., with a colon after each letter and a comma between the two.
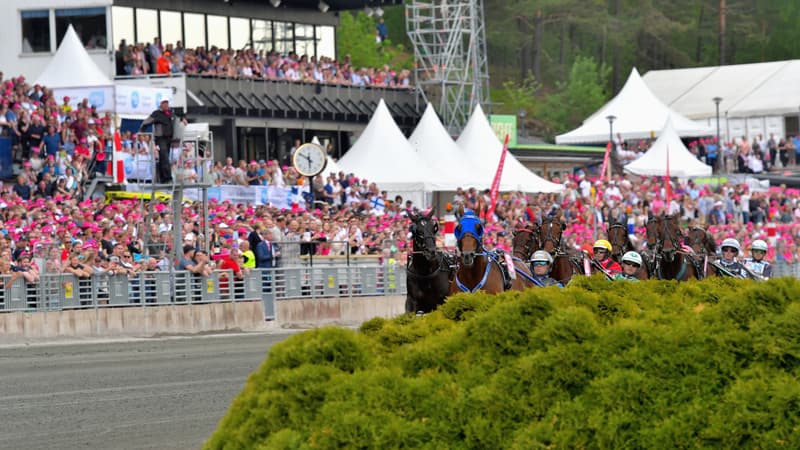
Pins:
x: 252, y: 119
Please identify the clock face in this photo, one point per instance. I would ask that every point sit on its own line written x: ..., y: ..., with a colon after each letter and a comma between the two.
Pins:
x: 309, y: 160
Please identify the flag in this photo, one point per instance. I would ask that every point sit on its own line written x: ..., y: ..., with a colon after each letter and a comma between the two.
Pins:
x: 117, y: 163
x: 496, y: 182
x: 669, y: 188
x: 377, y: 203
x: 606, y: 159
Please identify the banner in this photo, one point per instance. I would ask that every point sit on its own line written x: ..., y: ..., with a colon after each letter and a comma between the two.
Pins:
x: 606, y: 159
x: 6, y: 159
x: 505, y: 126
x: 496, y: 182
x: 140, y: 100
x: 279, y: 197
x: 100, y: 97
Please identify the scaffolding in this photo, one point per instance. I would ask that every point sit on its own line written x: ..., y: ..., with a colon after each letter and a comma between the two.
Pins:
x: 451, y: 68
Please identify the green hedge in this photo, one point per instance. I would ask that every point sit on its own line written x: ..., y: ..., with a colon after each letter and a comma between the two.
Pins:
x: 655, y: 364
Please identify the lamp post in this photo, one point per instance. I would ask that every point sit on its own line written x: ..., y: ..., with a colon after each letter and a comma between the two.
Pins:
x: 613, y: 156
x: 720, y: 156
x: 522, y: 113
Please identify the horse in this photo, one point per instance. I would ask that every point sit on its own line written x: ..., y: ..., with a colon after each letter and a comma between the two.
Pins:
x: 704, y: 247
x: 672, y: 262
x: 620, y: 244
x: 429, y: 272
x: 476, y: 268
x: 524, y: 243
x: 564, y: 265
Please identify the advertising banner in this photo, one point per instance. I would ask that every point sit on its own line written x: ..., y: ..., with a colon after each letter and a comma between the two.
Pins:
x: 505, y: 125
x: 140, y: 100
x: 100, y: 97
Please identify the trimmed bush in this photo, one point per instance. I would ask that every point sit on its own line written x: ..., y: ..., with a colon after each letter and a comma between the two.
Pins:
x: 654, y: 364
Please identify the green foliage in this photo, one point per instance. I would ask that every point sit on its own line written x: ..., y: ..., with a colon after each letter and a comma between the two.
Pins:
x: 654, y: 364
x: 578, y: 97
x: 355, y: 36
x: 516, y: 96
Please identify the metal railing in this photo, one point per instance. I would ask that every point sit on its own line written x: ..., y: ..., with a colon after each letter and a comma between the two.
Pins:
x: 60, y: 291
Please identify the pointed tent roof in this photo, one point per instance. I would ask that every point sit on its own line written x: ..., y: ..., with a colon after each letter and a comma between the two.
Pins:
x: 638, y: 112
x: 383, y: 155
x: 481, y: 145
x: 435, y: 146
x: 331, y: 165
x: 83, y: 72
x: 682, y: 163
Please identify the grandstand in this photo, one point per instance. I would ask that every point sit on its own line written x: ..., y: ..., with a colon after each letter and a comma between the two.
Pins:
x: 250, y: 119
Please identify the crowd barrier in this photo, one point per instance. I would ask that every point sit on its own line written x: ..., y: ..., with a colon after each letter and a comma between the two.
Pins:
x: 54, y: 292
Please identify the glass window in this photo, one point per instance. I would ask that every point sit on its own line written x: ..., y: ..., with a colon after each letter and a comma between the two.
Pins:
x: 326, y: 42
x: 89, y: 24
x: 240, y: 33
x: 218, y: 31
x: 171, y: 31
x: 122, y: 25
x: 304, y: 39
x: 146, y: 25
x: 35, y: 31
x: 195, y: 26
x: 262, y: 35
x: 284, y: 37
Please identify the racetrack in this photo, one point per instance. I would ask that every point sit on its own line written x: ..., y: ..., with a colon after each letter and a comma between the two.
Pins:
x: 148, y: 393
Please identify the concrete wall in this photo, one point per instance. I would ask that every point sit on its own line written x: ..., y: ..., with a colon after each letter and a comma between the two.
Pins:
x: 190, y: 319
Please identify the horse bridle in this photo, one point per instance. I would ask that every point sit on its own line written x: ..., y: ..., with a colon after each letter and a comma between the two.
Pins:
x: 549, y: 237
x: 655, y: 246
x: 529, y: 243
x: 422, y: 239
x: 618, y: 247
x: 700, y: 241
x: 674, y: 240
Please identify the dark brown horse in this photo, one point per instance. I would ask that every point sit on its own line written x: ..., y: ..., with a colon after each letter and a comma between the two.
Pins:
x: 705, y: 249
x: 672, y: 262
x: 476, y: 268
x: 429, y: 272
x: 620, y: 244
x: 564, y: 265
x: 524, y: 243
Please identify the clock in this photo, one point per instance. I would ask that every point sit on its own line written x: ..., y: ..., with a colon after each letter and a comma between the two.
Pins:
x: 309, y: 160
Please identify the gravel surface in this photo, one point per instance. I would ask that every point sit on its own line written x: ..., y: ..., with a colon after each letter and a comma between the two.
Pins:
x: 165, y: 393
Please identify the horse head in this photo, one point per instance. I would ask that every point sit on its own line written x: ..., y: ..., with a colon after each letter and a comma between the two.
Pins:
x: 526, y: 241
x: 423, y: 232
x: 653, y: 229
x: 618, y: 237
x: 469, y: 235
x: 671, y: 236
x: 550, y: 232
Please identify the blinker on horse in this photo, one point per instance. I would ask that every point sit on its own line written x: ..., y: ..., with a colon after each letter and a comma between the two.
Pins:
x: 477, y: 268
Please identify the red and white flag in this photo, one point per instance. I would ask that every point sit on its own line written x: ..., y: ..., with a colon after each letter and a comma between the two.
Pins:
x: 496, y: 182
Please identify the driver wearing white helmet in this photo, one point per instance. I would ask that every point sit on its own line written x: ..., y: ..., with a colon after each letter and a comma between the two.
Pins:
x: 631, y: 263
x: 757, y: 264
x: 730, y: 248
x: 541, y: 263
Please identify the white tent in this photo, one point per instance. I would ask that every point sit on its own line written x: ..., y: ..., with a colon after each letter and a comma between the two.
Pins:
x: 72, y: 73
x: 331, y: 166
x: 435, y: 146
x: 383, y: 155
x: 638, y: 113
x: 682, y: 163
x: 481, y: 145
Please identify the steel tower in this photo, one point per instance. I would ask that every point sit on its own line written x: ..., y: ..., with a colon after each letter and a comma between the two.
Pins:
x: 451, y: 69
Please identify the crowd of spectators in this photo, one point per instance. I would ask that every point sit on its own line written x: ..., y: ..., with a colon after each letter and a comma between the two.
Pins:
x: 47, y: 226
x: 248, y: 63
x: 739, y: 155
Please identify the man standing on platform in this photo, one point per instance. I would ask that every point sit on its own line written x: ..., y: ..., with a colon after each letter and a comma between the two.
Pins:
x: 163, y: 130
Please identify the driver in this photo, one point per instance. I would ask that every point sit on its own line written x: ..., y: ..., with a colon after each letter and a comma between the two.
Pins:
x: 757, y: 264
x: 631, y: 262
x: 541, y: 263
x: 730, y: 248
x: 602, y: 256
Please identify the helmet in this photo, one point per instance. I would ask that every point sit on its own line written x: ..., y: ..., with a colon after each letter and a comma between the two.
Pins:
x: 758, y: 244
x: 632, y: 257
x: 730, y: 242
x: 602, y: 243
x: 541, y: 255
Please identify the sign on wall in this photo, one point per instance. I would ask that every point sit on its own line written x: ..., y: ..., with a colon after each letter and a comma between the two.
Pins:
x: 505, y: 124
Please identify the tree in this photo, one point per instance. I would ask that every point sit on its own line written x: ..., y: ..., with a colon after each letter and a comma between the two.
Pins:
x: 356, y: 37
x: 582, y: 94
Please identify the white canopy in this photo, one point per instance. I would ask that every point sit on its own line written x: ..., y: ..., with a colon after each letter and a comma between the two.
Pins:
x: 72, y: 67
x: 481, y: 145
x: 638, y: 113
x: 682, y: 163
x: 746, y: 90
x: 331, y: 166
x: 435, y: 146
x: 383, y: 155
